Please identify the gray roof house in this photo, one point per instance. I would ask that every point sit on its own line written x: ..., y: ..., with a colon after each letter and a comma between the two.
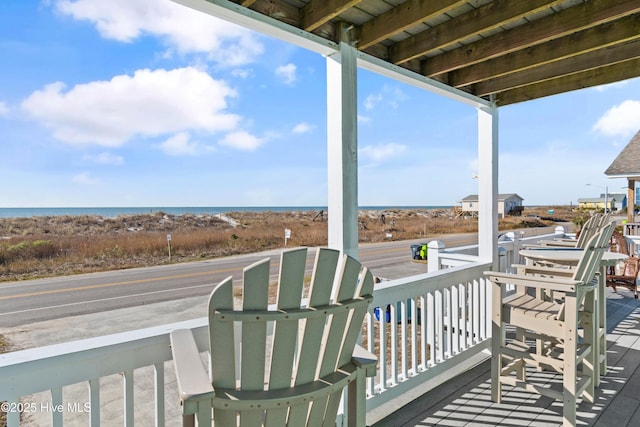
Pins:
x: 627, y: 165
x: 509, y: 203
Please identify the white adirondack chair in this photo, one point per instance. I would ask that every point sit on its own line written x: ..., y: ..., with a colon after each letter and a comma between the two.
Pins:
x: 555, y: 334
x: 284, y: 364
x: 594, y: 224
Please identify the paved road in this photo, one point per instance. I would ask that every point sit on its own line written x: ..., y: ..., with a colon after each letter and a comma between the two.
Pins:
x: 37, y: 300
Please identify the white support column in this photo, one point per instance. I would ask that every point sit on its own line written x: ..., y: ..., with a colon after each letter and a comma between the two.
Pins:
x: 488, y: 183
x: 342, y: 150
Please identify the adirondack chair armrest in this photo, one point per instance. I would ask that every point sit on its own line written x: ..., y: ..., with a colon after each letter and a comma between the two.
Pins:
x: 550, y: 271
x: 562, y: 284
x: 192, y: 377
x: 364, y: 359
x: 565, y: 243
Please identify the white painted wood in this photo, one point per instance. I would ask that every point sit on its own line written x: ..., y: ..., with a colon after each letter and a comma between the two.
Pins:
x: 94, y: 400
x: 342, y: 150
x: 158, y: 371
x: 56, y: 402
x: 233, y: 12
x: 127, y: 380
x: 488, y: 183
x: 27, y: 372
x: 384, y: 68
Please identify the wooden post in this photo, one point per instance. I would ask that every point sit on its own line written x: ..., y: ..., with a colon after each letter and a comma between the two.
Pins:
x: 342, y: 149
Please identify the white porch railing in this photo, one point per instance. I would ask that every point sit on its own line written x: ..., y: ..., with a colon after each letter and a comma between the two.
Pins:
x: 424, y: 329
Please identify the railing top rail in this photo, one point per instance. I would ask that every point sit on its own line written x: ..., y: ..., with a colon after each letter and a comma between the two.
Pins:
x: 29, y: 371
x: 408, y: 287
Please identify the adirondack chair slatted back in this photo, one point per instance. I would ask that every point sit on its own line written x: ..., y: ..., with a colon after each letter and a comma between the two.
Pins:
x: 262, y: 354
x: 589, y: 264
x: 594, y: 224
x: 593, y: 250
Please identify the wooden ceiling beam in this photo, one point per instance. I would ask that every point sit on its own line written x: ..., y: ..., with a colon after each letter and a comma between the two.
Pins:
x: 487, y: 17
x: 596, y: 77
x: 585, y: 62
x: 276, y: 9
x: 402, y: 17
x: 622, y: 30
x: 567, y: 21
x: 319, y: 12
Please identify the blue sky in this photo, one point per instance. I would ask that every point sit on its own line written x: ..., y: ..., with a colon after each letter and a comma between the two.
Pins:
x: 148, y: 103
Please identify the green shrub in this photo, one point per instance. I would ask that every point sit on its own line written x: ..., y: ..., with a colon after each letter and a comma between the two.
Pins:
x: 37, y: 249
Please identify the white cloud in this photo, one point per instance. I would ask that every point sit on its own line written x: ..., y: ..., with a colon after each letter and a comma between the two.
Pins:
x: 182, y: 29
x: 621, y: 120
x: 382, y: 152
x: 242, y: 73
x: 287, y: 73
x: 4, y: 109
x: 181, y: 145
x: 617, y: 85
x: 241, y: 140
x: 363, y: 119
x: 84, y: 178
x: 302, y: 128
x: 390, y: 94
x: 372, y: 101
x: 149, y: 103
x: 105, y: 158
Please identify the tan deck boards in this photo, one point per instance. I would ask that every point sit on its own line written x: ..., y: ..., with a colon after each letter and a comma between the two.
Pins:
x: 466, y: 400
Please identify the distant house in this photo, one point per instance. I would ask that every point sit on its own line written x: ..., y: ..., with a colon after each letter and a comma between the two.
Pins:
x: 619, y: 201
x: 615, y: 202
x: 627, y: 165
x: 508, y: 204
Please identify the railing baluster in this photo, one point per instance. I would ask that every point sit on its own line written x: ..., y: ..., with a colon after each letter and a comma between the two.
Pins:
x: 439, y: 326
x: 394, y: 343
x: 464, y: 307
x: 128, y: 398
x: 446, y: 293
x: 431, y: 328
x: 13, y: 417
x: 370, y: 348
x: 403, y: 339
x: 414, y: 335
x: 423, y: 334
x: 56, y: 403
x: 382, y: 355
x: 476, y: 312
x: 159, y: 385
x: 455, y: 319
x: 484, y: 300
x: 94, y: 400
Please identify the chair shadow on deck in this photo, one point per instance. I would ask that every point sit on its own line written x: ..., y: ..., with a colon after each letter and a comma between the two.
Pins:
x: 466, y: 399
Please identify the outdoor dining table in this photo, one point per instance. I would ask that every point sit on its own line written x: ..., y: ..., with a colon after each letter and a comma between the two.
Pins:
x: 570, y: 257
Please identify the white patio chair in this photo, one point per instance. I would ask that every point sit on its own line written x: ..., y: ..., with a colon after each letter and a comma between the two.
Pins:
x: 284, y: 364
x: 594, y: 224
x: 555, y: 334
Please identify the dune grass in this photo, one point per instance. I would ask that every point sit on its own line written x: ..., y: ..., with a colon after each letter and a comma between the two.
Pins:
x: 50, y: 246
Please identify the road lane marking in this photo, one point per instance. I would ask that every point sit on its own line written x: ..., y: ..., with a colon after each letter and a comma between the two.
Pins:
x: 106, y: 285
x: 137, y: 281
x: 103, y: 300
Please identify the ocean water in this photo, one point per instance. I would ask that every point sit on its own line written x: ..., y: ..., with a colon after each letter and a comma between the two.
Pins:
x: 109, y: 212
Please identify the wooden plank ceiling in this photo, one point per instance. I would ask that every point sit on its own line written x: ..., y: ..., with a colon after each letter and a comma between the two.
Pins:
x: 517, y: 50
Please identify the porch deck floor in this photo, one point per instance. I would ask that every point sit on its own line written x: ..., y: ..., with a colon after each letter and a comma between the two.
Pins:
x: 466, y: 400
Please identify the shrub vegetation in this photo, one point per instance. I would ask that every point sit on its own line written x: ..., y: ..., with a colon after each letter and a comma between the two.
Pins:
x: 48, y: 246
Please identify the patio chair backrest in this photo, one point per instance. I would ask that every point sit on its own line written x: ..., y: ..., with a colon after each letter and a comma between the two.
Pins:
x: 273, y: 361
x: 594, y: 249
x: 594, y: 224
